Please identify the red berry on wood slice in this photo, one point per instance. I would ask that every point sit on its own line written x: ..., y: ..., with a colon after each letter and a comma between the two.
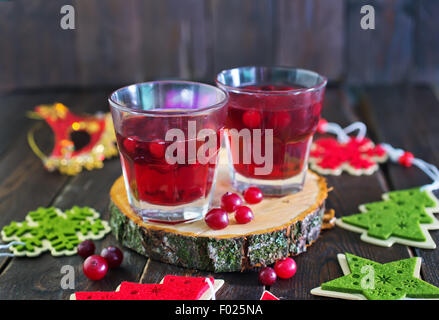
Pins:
x: 230, y: 201
x: 95, y: 267
x: 285, y: 268
x: 113, y: 256
x: 252, y: 119
x: 217, y: 219
x: 253, y: 195
x: 267, y: 276
x: 406, y: 159
x: 86, y: 248
x: 157, y: 148
x: 244, y: 215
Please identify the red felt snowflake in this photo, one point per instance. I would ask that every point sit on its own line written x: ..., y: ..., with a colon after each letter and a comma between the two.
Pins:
x: 356, y: 156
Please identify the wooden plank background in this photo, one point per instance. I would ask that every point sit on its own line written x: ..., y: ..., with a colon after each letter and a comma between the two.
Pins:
x: 124, y: 41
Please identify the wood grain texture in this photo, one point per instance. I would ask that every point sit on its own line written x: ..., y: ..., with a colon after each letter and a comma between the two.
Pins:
x: 384, y: 55
x: 35, y: 50
x: 243, y: 33
x: 109, y: 42
x: 426, y: 68
x: 177, y: 39
x: 121, y: 42
x: 320, y: 264
x: 310, y: 34
x: 406, y: 117
x: 124, y: 41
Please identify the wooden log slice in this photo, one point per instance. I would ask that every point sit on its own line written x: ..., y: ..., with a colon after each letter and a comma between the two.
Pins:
x: 281, y: 227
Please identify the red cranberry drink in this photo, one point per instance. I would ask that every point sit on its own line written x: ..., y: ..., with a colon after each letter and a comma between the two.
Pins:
x: 272, y: 116
x: 151, y: 177
x: 168, y: 134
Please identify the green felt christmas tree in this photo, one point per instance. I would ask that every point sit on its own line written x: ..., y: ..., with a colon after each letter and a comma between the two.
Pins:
x: 376, y: 281
x: 404, y: 214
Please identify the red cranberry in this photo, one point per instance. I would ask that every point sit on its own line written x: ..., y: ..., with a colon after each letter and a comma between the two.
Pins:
x: 285, y: 268
x: 253, y: 195
x: 280, y: 120
x: 95, y: 267
x: 243, y: 215
x: 267, y: 276
x: 157, y: 148
x: 130, y: 144
x: 86, y: 248
x: 230, y: 201
x: 252, y: 119
x: 217, y: 219
x: 113, y: 256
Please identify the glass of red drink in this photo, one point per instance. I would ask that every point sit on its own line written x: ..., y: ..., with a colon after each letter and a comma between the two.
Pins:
x: 273, y: 113
x: 169, y: 134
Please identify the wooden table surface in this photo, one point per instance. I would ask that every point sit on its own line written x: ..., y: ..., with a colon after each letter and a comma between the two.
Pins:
x: 403, y: 116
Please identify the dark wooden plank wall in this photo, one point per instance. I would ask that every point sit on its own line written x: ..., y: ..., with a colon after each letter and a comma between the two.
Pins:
x: 310, y: 34
x: 242, y: 33
x: 427, y: 42
x: 386, y: 54
x: 35, y: 51
x: 118, y: 42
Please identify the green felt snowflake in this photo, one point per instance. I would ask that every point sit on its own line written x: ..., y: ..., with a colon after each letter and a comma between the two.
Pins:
x: 404, y: 216
x: 50, y: 229
x: 376, y: 281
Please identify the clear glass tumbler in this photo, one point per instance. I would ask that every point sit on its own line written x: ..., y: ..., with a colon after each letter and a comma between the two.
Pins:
x: 273, y: 113
x: 169, y: 135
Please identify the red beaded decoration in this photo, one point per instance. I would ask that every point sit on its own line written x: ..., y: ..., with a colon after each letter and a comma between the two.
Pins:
x: 406, y: 159
x: 321, y: 125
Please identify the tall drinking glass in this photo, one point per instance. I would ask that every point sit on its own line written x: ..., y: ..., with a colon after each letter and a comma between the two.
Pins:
x: 168, y: 134
x: 273, y: 113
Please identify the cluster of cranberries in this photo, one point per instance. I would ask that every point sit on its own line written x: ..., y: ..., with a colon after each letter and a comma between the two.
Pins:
x: 284, y: 268
x: 218, y: 218
x: 95, y: 266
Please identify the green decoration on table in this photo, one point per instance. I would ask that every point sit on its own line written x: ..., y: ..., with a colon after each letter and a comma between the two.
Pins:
x: 405, y: 217
x: 50, y: 229
x: 366, y: 279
